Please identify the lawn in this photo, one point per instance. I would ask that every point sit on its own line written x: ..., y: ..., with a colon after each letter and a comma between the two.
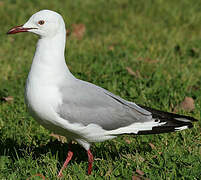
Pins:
x: 148, y: 52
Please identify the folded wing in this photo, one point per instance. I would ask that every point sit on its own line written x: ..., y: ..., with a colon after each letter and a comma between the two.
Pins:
x: 86, y: 103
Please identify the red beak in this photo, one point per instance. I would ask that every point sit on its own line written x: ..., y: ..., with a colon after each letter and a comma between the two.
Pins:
x: 18, y: 29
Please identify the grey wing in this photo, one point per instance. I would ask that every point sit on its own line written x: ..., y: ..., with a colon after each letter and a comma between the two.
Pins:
x: 86, y: 103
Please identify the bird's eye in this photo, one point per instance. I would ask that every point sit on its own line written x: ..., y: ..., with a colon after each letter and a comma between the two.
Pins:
x: 41, y: 22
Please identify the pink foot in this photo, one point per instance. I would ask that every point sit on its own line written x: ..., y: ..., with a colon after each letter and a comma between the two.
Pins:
x: 90, y: 161
x: 69, y: 157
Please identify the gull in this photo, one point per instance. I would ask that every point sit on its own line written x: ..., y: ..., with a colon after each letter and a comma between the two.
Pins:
x: 76, y: 109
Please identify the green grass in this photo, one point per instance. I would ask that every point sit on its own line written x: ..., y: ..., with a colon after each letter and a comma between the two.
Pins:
x: 160, y: 39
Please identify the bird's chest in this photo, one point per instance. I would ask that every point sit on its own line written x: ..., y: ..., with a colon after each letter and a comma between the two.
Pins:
x: 42, y: 99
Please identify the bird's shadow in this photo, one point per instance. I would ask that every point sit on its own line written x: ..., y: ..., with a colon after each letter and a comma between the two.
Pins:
x: 13, y: 150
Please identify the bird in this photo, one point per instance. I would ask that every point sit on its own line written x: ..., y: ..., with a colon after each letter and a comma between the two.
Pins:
x: 79, y: 110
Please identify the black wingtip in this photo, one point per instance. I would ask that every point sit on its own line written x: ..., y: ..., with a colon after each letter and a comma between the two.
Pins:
x: 173, y: 122
x: 162, y: 114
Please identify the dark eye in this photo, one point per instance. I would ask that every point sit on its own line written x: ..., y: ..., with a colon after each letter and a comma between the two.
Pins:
x: 41, y: 22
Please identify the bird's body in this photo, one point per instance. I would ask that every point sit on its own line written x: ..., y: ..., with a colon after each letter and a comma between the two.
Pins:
x: 76, y: 109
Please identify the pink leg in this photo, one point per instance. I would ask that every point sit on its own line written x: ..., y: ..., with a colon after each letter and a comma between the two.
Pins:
x: 90, y: 161
x: 70, y: 155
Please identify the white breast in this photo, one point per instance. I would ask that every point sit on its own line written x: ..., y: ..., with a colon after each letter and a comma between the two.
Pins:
x: 42, y: 98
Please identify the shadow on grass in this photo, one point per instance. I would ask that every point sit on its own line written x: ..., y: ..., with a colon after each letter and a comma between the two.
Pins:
x: 14, y: 151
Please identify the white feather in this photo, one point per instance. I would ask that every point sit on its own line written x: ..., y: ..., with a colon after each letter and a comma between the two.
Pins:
x: 181, y: 128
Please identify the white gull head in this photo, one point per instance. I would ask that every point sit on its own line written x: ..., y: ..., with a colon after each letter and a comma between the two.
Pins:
x: 44, y: 23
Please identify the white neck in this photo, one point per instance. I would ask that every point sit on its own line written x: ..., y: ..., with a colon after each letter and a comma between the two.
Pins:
x: 49, y: 61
